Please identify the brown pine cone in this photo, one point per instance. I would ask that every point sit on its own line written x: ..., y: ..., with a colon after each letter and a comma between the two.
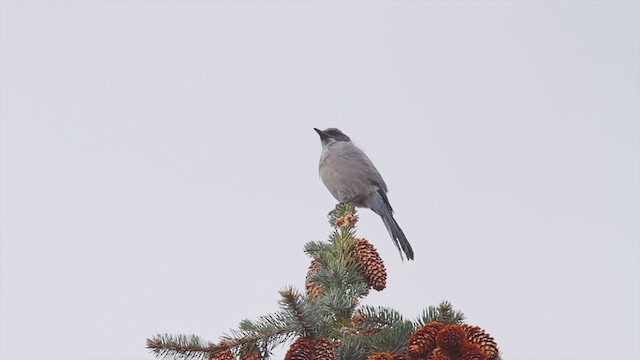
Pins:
x: 254, y: 355
x: 371, y: 264
x: 423, y: 340
x: 381, y: 356
x: 387, y: 356
x: 357, y: 317
x: 323, y: 350
x: 476, y: 335
x: 313, y: 289
x: 301, y: 349
x: 438, y: 354
x: 451, y: 340
x: 472, y: 352
x: 400, y: 357
x: 223, y: 355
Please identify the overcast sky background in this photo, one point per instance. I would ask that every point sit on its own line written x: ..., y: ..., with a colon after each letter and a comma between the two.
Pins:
x: 159, y: 166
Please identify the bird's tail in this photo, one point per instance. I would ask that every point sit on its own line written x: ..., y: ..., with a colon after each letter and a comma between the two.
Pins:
x: 397, y: 235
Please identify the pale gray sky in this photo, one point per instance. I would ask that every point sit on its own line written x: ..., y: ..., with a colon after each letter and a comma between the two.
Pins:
x: 159, y: 167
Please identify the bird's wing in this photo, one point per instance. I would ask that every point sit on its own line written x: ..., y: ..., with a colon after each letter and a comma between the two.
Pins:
x: 374, y: 177
x: 366, y: 166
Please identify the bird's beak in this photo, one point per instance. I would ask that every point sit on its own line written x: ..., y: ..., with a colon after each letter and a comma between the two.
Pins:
x: 322, y: 134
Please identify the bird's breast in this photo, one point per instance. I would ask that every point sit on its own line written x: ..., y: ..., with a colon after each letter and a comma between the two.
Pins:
x: 344, y: 176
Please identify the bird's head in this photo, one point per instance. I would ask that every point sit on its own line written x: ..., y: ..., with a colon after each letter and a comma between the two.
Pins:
x: 331, y: 135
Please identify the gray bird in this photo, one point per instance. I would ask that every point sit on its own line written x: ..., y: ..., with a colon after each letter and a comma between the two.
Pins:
x: 351, y: 178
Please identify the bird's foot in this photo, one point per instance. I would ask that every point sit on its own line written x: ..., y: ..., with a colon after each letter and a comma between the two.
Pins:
x: 332, y: 214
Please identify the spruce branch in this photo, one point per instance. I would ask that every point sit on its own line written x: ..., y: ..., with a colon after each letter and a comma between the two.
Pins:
x: 312, y: 248
x: 180, y: 346
x: 298, y: 314
x: 265, y: 342
x: 393, y: 339
x: 266, y: 333
x: 352, y: 348
x: 443, y: 313
x: 378, y: 317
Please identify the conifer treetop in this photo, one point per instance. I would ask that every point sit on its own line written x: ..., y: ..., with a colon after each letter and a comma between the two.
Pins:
x: 328, y: 321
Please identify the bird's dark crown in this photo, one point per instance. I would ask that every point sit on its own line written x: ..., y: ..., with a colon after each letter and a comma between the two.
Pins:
x: 336, y: 134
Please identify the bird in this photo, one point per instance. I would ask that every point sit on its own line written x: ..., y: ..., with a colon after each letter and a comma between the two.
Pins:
x: 351, y: 177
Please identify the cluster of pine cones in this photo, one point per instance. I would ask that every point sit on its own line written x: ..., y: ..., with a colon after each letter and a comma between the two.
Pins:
x: 433, y: 341
x: 436, y: 341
